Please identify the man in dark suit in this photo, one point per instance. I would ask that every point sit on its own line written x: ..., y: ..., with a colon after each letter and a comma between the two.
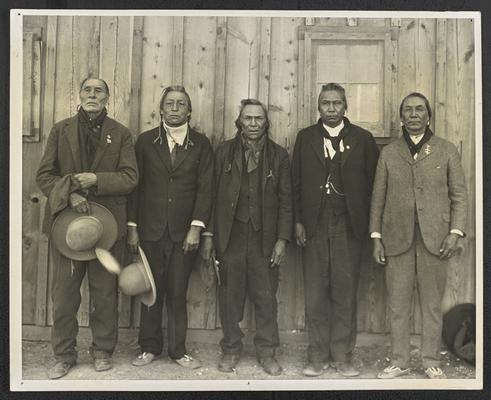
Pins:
x: 418, y: 217
x: 251, y: 225
x: 333, y: 169
x: 167, y: 211
x: 88, y: 157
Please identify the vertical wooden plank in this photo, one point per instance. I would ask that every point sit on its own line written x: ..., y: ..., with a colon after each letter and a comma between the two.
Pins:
x: 407, y: 60
x: 460, y: 130
x: 440, y: 76
x: 66, y: 105
x: 83, y: 27
x: 241, y: 37
x: 178, y: 50
x: 199, y: 75
x: 307, y: 81
x: 220, y: 66
x: 156, y: 67
x: 136, y: 55
x: 122, y: 70
x: 283, y: 114
x: 43, y: 286
x: 387, y: 102
x: 108, y: 57
x: 394, y: 76
x: 27, y: 44
x: 36, y: 89
x: 425, y: 58
x: 94, y: 47
x: 264, y: 60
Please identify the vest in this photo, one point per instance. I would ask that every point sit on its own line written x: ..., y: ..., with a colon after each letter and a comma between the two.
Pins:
x: 249, y: 205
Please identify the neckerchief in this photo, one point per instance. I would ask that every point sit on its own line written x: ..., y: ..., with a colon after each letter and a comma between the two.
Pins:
x: 90, y: 131
x: 415, y: 148
x: 335, y: 140
x: 252, y: 151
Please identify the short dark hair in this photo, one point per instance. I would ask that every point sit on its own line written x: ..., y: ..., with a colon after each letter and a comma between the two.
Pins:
x: 337, y: 88
x: 252, y: 102
x: 421, y: 96
x: 99, y: 79
x: 175, y: 88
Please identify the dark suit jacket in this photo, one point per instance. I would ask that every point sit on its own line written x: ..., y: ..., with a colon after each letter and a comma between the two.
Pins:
x: 358, y: 163
x: 171, y: 196
x: 276, y: 193
x: 431, y: 187
x: 114, y: 164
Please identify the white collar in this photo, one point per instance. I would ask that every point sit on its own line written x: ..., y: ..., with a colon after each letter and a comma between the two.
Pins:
x: 176, y: 134
x: 334, y: 131
x: 416, y: 138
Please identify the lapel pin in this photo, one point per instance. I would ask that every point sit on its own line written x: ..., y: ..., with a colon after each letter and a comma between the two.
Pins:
x: 270, y: 175
x: 108, y: 139
x: 428, y: 149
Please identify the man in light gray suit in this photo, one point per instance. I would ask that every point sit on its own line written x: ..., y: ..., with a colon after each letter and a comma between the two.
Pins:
x: 418, y: 217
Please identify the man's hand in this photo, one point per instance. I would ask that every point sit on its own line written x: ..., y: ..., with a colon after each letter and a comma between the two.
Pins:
x: 449, y: 246
x: 279, y: 251
x: 206, y: 249
x: 85, y: 179
x: 378, y: 251
x: 191, y: 242
x: 78, y: 203
x: 133, y: 239
x: 300, y: 235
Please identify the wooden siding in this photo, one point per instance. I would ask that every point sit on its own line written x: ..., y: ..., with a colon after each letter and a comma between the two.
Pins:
x: 221, y: 60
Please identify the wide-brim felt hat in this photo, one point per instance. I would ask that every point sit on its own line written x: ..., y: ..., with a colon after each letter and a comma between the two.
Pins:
x: 136, y: 279
x: 77, y: 235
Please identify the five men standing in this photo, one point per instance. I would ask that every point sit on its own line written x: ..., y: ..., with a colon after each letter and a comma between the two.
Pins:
x: 333, y: 169
x: 245, y: 204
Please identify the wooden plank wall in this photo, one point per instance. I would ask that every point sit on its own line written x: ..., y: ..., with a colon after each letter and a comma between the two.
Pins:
x: 221, y: 60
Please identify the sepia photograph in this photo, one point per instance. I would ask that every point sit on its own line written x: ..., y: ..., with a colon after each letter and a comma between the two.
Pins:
x: 245, y: 200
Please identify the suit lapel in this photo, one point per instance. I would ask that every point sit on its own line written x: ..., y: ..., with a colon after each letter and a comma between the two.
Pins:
x: 349, y: 143
x: 71, y: 135
x: 426, y: 150
x: 107, y: 127
x: 403, y: 150
x: 317, y: 143
x: 266, y: 167
x: 238, y: 155
x: 184, y: 150
x: 162, y: 149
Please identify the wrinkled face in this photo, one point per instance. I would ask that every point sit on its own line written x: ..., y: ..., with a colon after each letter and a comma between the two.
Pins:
x: 253, y: 121
x: 331, y: 107
x: 414, y: 115
x: 175, y: 109
x: 93, y: 96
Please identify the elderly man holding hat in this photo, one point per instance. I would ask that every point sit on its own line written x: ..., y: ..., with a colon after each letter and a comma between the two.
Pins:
x: 87, y: 169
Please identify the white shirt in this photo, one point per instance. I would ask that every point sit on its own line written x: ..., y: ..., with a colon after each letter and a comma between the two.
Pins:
x: 334, y: 132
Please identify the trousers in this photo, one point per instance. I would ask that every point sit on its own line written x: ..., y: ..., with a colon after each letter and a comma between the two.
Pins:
x: 331, y: 266
x: 244, y: 270
x: 171, y: 269
x: 103, y: 315
x: 430, y: 274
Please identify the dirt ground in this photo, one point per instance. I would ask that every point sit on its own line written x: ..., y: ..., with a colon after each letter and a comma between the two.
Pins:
x: 371, y: 356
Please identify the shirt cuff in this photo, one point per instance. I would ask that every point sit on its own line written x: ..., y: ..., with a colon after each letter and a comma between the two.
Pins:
x: 206, y: 233
x: 131, y: 223
x: 197, y: 222
x: 375, y: 235
x: 457, y: 232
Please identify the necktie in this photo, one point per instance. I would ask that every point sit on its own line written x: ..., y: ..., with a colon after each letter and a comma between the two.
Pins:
x: 173, y: 153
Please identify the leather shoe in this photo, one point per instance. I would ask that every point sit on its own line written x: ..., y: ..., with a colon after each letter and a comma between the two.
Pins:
x: 270, y: 366
x: 315, y: 368
x: 347, y: 369
x: 143, y: 359
x: 228, y: 362
x: 61, y: 368
x: 103, y: 364
x: 187, y: 361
